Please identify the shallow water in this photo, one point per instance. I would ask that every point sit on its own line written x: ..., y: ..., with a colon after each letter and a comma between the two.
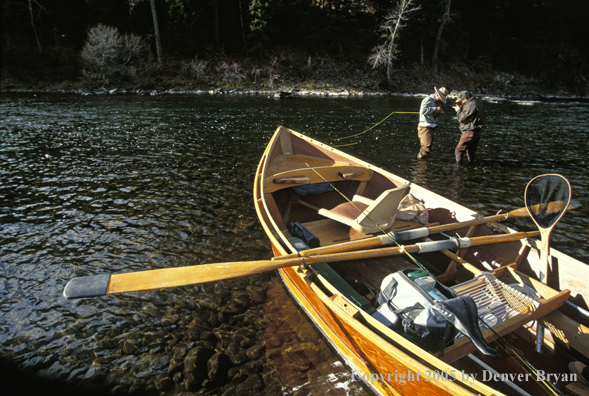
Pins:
x: 104, y: 183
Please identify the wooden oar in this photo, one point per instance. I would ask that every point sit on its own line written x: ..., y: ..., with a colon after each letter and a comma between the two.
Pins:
x: 553, y: 207
x: 100, y: 285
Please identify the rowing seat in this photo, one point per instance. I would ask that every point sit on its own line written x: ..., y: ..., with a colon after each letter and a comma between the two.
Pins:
x: 367, y: 215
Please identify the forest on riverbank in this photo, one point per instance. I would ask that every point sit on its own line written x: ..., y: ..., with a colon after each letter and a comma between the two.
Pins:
x: 488, y: 46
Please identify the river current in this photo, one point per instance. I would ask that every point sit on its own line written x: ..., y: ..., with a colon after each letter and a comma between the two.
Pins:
x: 116, y: 183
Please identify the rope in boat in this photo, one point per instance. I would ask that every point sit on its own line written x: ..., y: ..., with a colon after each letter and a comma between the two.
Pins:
x: 527, y: 366
x: 375, y: 125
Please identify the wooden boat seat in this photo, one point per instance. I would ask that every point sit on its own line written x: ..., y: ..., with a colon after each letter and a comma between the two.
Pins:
x: 317, y: 174
x: 366, y: 215
x: 504, y: 308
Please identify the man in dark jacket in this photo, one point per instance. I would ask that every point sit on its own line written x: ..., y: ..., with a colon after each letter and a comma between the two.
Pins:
x: 470, y: 113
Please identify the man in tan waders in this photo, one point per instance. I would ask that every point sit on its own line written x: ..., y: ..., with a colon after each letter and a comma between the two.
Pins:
x: 428, y: 120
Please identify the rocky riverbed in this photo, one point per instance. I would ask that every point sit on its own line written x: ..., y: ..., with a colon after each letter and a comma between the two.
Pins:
x: 237, y: 337
x: 289, y: 93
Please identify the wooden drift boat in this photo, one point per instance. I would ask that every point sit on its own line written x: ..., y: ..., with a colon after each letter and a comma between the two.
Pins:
x: 330, y: 209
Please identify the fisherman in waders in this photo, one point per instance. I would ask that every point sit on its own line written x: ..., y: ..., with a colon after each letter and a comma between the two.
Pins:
x: 428, y: 120
x: 470, y: 113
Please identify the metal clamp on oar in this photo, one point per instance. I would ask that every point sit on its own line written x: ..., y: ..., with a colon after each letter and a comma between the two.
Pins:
x: 454, y: 243
x: 416, y: 233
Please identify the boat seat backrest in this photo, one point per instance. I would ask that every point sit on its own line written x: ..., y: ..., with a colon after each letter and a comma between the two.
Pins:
x: 383, y: 210
x: 366, y: 215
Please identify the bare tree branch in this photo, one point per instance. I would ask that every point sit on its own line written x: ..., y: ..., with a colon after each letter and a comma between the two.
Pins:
x: 385, y: 53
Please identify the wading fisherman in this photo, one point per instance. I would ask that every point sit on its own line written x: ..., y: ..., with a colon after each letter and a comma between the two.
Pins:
x: 470, y: 113
x: 428, y: 120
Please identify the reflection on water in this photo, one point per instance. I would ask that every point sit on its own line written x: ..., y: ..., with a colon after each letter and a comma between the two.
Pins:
x: 94, y: 184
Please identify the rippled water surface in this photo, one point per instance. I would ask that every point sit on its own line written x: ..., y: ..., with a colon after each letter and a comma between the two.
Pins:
x: 95, y: 184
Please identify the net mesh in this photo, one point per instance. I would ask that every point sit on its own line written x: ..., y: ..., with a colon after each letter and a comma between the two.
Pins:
x: 547, y: 197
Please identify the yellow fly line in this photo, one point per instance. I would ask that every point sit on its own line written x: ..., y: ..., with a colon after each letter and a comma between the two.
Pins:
x: 375, y: 125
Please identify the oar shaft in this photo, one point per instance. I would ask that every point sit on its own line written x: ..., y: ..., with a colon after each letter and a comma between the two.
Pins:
x: 403, y: 235
x: 100, y: 285
x: 179, y: 276
x: 416, y: 248
x: 463, y: 224
x: 340, y: 247
x: 388, y: 239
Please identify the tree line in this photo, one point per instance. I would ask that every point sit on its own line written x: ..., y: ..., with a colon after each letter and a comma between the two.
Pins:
x: 544, y: 38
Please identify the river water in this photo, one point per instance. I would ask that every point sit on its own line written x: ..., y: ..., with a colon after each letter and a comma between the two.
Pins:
x: 110, y: 183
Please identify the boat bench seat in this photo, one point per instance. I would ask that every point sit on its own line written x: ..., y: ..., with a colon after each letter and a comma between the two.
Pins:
x: 298, y: 177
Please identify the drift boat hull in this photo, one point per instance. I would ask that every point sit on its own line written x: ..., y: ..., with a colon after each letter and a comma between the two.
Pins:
x: 329, y: 295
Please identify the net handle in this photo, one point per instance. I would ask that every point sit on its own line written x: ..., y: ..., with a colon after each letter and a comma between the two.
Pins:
x: 545, y: 231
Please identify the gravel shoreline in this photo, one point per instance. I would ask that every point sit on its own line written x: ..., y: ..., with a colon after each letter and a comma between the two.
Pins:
x: 293, y: 93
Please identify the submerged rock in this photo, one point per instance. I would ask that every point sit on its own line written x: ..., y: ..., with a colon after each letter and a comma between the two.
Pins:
x: 218, y: 366
x: 197, y: 358
x: 163, y: 383
x: 210, y: 343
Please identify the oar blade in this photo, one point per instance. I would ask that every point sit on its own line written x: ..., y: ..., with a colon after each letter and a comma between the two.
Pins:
x: 86, y: 286
x: 101, y: 285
